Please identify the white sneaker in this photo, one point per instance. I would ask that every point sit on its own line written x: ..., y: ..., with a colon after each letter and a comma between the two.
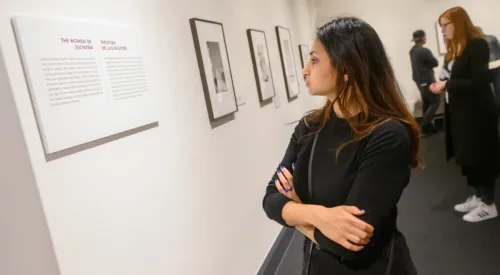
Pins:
x: 470, y: 204
x: 481, y: 213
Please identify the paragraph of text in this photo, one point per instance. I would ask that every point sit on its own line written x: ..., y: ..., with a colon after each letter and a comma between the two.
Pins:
x: 127, y: 77
x: 69, y: 80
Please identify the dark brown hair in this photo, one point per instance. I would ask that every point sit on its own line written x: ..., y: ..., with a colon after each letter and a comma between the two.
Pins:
x: 356, y: 50
x: 464, y: 30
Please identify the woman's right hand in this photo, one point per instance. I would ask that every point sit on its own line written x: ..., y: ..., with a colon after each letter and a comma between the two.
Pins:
x: 437, y: 87
x: 341, y: 225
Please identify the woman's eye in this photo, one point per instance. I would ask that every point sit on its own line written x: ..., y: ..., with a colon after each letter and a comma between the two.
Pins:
x: 314, y: 60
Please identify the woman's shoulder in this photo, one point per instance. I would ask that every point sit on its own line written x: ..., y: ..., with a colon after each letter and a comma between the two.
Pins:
x: 390, y: 141
x: 478, y: 42
x: 390, y: 131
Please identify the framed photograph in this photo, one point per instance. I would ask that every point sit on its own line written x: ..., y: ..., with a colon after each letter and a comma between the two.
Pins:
x: 440, y: 39
x: 215, y: 70
x: 261, y: 64
x: 288, y: 62
x: 304, y: 54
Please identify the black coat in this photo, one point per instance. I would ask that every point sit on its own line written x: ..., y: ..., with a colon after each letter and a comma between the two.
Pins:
x: 470, y: 116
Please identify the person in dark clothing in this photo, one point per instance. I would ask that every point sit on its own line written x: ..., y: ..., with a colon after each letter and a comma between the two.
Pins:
x: 347, y: 163
x: 422, y: 63
x: 494, y: 46
x: 471, y: 130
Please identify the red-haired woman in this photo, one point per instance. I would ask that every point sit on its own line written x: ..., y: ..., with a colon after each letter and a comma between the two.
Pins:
x: 472, y: 134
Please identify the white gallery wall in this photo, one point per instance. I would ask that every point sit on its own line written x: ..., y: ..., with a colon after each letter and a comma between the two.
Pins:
x: 395, y: 22
x: 180, y: 198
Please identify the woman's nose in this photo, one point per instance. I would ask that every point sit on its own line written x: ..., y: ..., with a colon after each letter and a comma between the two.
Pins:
x: 305, y: 71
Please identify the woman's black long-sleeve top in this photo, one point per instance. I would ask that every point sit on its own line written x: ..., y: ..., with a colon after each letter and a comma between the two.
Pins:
x: 370, y: 174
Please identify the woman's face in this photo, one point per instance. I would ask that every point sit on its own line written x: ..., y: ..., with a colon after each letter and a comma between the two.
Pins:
x: 447, y: 28
x: 319, y: 73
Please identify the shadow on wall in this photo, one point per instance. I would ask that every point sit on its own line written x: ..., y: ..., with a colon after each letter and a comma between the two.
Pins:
x: 99, y: 142
x: 26, y: 243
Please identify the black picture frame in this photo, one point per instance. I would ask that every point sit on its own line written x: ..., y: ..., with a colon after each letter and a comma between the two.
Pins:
x: 262, y: 98
x: 440, y: 40
x: 304, y: 51
x: 288, y: 85
x: 203, y: 73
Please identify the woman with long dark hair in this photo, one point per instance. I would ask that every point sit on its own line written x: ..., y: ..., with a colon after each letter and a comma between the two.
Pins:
x: 347, y: 163
x: 471, y: 119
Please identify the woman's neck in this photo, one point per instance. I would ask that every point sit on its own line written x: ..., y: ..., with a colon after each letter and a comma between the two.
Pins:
x: 352, y: 111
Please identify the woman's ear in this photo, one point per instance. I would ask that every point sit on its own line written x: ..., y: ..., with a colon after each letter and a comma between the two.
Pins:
x: 346, y: 78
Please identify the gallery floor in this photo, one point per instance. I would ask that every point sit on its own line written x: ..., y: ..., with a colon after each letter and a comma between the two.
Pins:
x: 441, y: 243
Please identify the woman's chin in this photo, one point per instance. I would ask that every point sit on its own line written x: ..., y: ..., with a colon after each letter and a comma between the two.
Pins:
x: 314, y: 93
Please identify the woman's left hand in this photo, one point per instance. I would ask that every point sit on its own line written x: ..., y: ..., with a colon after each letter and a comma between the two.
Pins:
x: 438, y: 87
x: 285, y: 184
